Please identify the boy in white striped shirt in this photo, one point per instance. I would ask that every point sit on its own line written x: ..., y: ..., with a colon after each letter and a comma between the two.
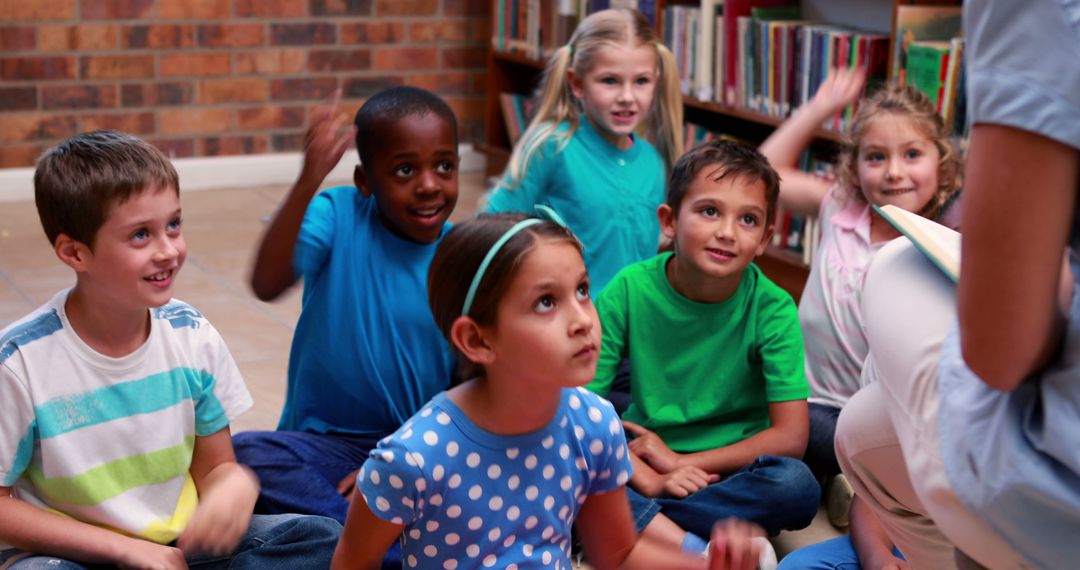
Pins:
x: 114, y: 437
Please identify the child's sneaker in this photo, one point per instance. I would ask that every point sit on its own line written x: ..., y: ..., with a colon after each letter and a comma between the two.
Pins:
x: 838, y: 503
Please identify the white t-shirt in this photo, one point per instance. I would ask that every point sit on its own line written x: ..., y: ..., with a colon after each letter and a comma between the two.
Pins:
x: 109, y: 441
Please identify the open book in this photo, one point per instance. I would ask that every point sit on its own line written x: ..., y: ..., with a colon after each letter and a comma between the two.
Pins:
x: 937, y: 242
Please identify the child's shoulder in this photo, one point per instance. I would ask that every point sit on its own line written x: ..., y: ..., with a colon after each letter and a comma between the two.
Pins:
x: 179, y: 315
x: 35, y: 326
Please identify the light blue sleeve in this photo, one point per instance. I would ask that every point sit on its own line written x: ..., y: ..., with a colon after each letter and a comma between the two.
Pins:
x: 316, y: 235
x: 614, y: 468
x: 392, y: 483
x: 18, y: 427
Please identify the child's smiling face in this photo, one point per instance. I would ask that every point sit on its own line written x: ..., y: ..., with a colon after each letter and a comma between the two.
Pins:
x: 413, y: 175
x: 617, y: 91
x: 897, y: 164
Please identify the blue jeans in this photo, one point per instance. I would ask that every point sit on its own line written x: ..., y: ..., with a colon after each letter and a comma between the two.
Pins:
x: 820, y: 454
x: 778, y: 493
x: 836, y: 554
x: 271, y: 542
x: 299, y: 472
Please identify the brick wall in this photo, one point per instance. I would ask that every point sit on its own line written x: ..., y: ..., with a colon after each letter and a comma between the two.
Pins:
x: 218, y: 77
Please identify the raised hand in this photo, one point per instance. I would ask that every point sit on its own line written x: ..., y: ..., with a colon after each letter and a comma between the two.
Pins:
x: 326, y: 139
x: 651, y: 449
x: 733, y: 545
x: 841, y: 87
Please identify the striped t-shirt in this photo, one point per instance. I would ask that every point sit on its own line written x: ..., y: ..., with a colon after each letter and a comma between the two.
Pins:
x: 109, y: 441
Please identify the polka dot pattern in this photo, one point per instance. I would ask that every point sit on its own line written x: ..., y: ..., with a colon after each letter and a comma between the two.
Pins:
x: 469, y: 498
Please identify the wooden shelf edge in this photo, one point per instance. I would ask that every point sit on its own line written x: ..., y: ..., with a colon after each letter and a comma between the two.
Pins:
x: 754, y: 117
x: 518, y: 58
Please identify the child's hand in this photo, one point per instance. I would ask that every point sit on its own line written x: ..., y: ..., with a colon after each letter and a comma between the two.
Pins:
x: 841, y: 87
x: 143, y: 554
x: 686, y: 480
x: 326, y: 140
x: 651, y: 449
x: 733, y: 546
x: 222, y: 517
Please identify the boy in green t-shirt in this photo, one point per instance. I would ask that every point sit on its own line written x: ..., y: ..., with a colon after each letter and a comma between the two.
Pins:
x: 718, y: 390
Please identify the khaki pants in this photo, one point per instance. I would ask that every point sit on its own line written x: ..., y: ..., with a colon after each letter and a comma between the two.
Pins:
x: 887, y: 434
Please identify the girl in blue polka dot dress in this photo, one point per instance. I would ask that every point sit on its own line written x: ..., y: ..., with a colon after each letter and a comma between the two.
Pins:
x: 494, y: 472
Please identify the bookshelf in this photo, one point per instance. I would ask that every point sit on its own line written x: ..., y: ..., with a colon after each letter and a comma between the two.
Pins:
x: 519, y: 73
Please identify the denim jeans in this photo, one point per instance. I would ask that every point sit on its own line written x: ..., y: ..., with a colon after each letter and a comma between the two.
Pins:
x: 820, y: 454
x: 836, y: 554
x: 272, y: 542
x: 299, y: 472
x: 778, y: 493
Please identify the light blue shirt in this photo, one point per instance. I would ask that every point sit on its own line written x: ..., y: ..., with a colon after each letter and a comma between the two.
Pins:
x: 1014, y: 458
x: 607, y: 196
x: 366, y: 354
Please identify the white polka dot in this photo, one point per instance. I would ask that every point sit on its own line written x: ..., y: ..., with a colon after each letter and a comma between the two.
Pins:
x: 512, y: 567
x: 450, y: 564
x: 406, y: 434
x: 414, y: 534
x: 581, y: 463
x: 382, y: 504
x: 436, y: 500
x: 396, y: 482
x: 473, y: 459
x: 564, y: 511
x: 578, y: 491
x: 575, y: 402
x: 494, y: 534
x: 388, y: 456
x: 530, y: 523
x: 530, y: 462
x: 549, y: 502
x: 613, y: 426
x: 548, y: 442
x: 579, y: 432
x: 565, y: 420
x: 454, y: 511
x: 494, y: 471
x: 512, y: 453
x: 425, y: 412
x: 620, y: 452
x: 596, y: 447
x: 513, y: 482
x: 473, y: 550
x: 407, y: 502
x: 431, y: 438
x: 622, y: 478
x: 374, y: 477
x: 475, y: 523
x: 412, y: 561
x: 595, y: 414
x: 452, y: 538
x: 409, y: 459
x: 421, y: 484
x: 510, y: 540
x: 452, y: 449
x: 532, y: 492
x: 438, y: 472
x: 397, y: 520
x: 564, y: 451
x: 454, y: 482
x: 432, y: 526
x: 431, y: 551
x: 419, y: 459
x: 547, y: 533
x: 475, y: 492
x: 549, y: 472
x: 495, y: 503
x: 490, y: 560
x: 546, y: 557
x: 513, y: 513
x: 566, y: 483
x: 527, y: 549
x: 443, y: 418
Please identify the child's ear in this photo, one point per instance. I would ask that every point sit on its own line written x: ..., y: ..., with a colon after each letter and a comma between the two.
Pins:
x: 667, y: 220
x: 575, y: 83
x: 75, y: 254
x: 469, y: 339
x: 360, y: 179
x: 765, y: 239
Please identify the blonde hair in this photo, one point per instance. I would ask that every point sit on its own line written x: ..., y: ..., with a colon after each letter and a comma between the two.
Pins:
x: 912, y: 104
x: 606, y: 28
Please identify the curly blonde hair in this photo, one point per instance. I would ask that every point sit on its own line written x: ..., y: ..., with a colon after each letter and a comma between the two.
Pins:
x: 908, y: 102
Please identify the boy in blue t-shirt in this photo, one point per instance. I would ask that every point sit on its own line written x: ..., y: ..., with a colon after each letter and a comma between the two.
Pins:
x: 366, y: 353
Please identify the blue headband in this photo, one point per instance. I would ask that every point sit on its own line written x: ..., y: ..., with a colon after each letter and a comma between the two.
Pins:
x: 544, y: 212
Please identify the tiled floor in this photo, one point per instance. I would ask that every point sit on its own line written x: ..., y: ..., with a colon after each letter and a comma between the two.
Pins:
x: 222, y: 228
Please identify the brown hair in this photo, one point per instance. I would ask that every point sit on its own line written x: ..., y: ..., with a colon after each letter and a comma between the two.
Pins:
x: 734, y: 159
x: 912, y: 104
x: 615, y: 27
x: 77, y: 181
x: 457, y: 259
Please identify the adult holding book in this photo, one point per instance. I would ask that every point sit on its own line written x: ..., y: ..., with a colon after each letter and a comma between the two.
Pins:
x: 981, y: 381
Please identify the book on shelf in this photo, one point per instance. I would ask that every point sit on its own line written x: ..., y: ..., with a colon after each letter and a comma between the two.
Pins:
x: 927, y: 69
x: 516, y: 111
x: 938, y: 243
x: 920, y: 23
x: 733, y: 10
